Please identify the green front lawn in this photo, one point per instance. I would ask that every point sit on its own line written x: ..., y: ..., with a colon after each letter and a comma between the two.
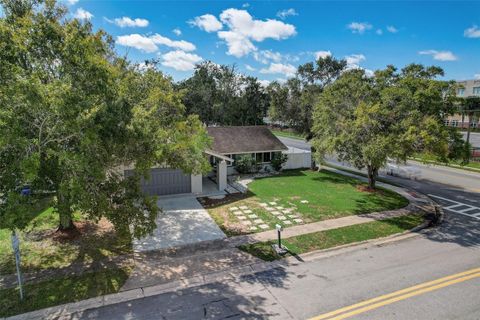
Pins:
x: 42, y: 248
x: 309, y: 196
x: 62, y: 290
x: 335, y: 237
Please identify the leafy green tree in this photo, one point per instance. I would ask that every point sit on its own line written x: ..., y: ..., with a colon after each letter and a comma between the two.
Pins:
x: 293, y: 102
x: 278, y: 160
x: 220, y: 95
x: 245, y: 164
x: 72, y: 114
x: 367, y: 120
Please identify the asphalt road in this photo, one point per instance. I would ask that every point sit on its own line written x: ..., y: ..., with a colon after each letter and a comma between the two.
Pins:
x: 397, y: 276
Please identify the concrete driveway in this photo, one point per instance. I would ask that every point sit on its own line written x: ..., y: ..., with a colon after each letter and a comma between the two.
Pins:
x: 183, y: 221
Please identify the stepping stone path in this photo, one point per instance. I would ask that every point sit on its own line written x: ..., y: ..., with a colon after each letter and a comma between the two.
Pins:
x: 287, y: 216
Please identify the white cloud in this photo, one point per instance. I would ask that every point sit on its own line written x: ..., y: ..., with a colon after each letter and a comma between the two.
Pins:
x: 359, y: 27
x: 149, y: 44
x: 177, y: 31
x: 265, y: 56
x: 180, y: 44
x: 440, y: 55
x: 180, y: 60
x: 246, y: 5
x: 138, y: 42
x: 82, y: 14
x: 207, y: 22
x: 477, y: 76
x: 129, y: 22
x: 264, y: 83
x: 286, y: 13
x: 379, y: 32
x: 250, y: 68
x: 322, y: 54
x: 472, y: 32
x: 243, y: 29
x: 354, y: 60
x: 392, y: 29
x: 279, y: 68
x: 72, y: 2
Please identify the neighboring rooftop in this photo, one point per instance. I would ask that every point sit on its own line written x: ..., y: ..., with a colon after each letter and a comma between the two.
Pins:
x: 244, y: 139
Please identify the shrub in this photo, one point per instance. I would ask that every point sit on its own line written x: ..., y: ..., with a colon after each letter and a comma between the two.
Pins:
x: 245, y: 164
x: 278, y: 160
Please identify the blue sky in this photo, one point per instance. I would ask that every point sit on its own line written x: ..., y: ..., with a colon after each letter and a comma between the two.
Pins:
x: 269, y: 39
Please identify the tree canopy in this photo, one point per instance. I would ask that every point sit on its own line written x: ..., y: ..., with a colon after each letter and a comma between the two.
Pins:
x: 367, y: 120
x: 72, y: 114
x: 292, y: 103
x: 222, y: 96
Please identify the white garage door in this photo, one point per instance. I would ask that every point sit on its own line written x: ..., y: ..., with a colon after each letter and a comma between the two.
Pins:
x: 164, y: 182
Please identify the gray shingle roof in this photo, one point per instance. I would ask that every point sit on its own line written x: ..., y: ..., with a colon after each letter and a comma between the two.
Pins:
x: 243, y: 139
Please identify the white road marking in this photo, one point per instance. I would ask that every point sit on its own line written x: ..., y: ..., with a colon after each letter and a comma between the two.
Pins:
x: 458, y: 204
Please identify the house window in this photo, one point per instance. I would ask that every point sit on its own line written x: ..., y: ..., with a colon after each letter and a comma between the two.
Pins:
x: 473, y: 125
x: 454, y: 123
x: 259, y: 157
x: 476, y: 91
x: 267, y: 157
x: 460, y: 92
x: 446, y: 122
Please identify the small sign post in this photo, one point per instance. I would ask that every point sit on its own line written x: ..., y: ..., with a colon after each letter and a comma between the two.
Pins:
x: 279, y: 248
x: 16, y: 252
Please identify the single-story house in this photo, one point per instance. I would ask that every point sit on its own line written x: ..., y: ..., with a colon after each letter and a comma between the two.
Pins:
x: 228, y: 143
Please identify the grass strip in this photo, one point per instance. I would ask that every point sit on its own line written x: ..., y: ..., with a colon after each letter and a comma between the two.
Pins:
x: 62, y: 290
x: 335, y: 237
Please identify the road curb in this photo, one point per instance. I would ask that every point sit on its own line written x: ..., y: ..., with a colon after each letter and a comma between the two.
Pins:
x: 234, y: 274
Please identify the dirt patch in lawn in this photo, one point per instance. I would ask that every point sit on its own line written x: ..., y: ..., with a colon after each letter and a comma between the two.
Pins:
x: 82, y: 228
x: 367, y: 189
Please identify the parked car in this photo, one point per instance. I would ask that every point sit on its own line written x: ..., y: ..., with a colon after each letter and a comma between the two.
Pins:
x: 402, y: 170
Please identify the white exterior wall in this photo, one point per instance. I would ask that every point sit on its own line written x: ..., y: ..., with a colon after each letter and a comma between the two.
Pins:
x: 196, y: 180
x: 297, y: 159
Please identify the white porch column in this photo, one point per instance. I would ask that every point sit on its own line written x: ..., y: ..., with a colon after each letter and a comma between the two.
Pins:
x: 222, y: 175
x: 196, y: 183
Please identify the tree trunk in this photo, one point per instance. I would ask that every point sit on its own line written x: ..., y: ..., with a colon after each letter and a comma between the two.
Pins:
x: 372, y: 176
x: 65, y: 214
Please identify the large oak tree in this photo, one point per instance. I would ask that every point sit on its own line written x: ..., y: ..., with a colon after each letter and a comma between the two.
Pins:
x: 72, y: 114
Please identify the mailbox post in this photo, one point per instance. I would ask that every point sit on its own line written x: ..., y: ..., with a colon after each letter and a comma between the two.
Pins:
x: 278, y: 247
x: 16, y: 251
